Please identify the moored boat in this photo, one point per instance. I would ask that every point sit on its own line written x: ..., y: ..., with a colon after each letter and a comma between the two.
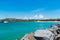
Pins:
x: 5, y: 21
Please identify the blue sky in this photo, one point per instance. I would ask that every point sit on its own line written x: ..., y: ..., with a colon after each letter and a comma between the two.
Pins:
x: 30, y: 9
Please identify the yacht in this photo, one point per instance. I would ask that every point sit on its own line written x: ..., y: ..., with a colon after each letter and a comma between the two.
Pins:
x: 5, y: 21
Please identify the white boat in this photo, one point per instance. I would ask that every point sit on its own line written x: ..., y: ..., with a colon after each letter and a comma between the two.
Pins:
x: 5, y: 21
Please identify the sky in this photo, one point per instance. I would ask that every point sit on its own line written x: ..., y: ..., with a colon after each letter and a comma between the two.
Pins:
x: 30, y: 9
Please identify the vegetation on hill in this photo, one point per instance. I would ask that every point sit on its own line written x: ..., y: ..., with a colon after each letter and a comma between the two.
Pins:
x: 26, y: 20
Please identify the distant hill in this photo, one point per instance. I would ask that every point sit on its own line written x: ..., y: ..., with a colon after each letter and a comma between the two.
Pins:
x: 24, y: 20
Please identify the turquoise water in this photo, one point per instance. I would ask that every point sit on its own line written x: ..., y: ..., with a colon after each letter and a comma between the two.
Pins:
x: 13, y: 30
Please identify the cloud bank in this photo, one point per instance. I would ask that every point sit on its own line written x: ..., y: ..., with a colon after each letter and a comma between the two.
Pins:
x: 34, y: 14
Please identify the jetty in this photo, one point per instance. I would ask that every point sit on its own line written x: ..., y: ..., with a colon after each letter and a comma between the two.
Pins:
x: 48, y: 34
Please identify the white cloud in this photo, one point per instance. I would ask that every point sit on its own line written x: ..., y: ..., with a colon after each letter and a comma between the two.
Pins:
x: 41, y: 16
x: 46, y: 18
x: 36, y: 16
x: 46, y: 14
x: 38, y: 10
x: 25, y: 17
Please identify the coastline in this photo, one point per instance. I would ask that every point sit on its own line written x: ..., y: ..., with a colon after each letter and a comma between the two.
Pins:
x: 47, y: 21
x: 29, y: 20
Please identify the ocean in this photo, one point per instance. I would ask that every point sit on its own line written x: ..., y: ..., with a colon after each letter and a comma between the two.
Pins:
x: 16, y: 30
